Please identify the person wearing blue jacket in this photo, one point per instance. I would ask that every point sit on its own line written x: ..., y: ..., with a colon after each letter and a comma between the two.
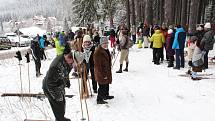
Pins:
x: 178, y: 46
x: 42, y: 47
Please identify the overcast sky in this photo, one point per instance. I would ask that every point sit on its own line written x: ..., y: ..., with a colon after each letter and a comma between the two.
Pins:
x: 6, y: 2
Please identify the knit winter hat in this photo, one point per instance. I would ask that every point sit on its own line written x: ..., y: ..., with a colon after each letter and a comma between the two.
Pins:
x: 170, y: 31
x: 103, y: 40
x: 199, y: 28
x: 193, y: 39
x: 207, y: 25
x: 86, y: 38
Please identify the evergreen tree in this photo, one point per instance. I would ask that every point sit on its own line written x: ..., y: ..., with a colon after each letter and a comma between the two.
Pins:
x: 193, y: 15
x: 109, y: 7
x: 65, y: 25
x: 148, y: 12
x: 2, y: 28
x: 49, y: 26
x: 85, y: 11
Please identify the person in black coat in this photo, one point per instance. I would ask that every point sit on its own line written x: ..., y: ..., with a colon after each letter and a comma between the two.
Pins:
x: 54, y: 83
x: 36, y: 54
x: 96, y: 39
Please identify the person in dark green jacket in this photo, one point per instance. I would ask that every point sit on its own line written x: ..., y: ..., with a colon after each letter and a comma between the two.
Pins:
x: 55, y: 81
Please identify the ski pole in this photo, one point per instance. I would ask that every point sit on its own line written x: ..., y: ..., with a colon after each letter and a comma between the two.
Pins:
x: 29, y: 81
x: 115, y: 60
x: 19, y: 57
x: 20, y: 76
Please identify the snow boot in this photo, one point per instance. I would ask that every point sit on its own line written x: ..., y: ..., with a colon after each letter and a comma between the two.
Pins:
x: 170, y: 64
x: 108, y: 97
x: 120, y: 69
x: 37, y: 74
x: 66, y: 119
x: 95, y: 91
x: 126, y: 69
x: 196, y: 78
x: 101, y: 102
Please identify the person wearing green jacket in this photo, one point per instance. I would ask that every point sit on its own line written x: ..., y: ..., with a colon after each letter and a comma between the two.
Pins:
x: 59, y: 48
x: 158, y: 41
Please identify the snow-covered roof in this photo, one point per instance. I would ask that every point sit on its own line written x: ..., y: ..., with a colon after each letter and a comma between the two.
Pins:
x: 77, y: 28
x: 32, y: 31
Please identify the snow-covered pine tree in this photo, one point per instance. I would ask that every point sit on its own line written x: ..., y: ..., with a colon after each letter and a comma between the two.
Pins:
x: 109, y: 8
x: 84, y: 11
x: 65, y: 25
x: 49, y: 26
x: 2, y: 28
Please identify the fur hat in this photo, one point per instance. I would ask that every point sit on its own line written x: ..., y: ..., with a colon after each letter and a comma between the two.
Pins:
x: 103, y: 39
x: 208, y: 25
x: 86, y: 38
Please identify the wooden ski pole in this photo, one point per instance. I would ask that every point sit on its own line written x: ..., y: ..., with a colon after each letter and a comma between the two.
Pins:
x: 20, y: 77
x: 29, y: 81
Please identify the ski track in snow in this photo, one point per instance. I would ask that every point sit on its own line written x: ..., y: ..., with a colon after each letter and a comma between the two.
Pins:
x: 147, y: 92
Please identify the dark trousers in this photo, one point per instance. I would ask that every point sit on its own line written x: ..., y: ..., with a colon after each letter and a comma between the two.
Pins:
x: 91, y: 68
x: 37, y: 66
x: 134, y: 38
x: 179, y: 56
x: 43, y: 55
x: 103, y: 91
x: 206, y: 59
x: 58, y: 107
x: 171, y: 60
x: 157, y: 54
x: 162, y: 55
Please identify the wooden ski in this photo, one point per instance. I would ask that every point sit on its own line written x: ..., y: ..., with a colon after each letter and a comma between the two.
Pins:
x: 84, y: 86
x: 36, y: 95
x: 35, y: 120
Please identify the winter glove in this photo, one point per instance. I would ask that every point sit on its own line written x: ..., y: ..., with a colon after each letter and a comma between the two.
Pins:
x: 27, y: 57
x: 18, y: 55
x: 68, y: 84
x: 190, y: 63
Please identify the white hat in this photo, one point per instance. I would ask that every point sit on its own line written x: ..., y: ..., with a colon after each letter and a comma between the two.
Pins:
x: 86, y: 38
x: 170, y: 31
x: 199, y: 28
x: 207, y: 25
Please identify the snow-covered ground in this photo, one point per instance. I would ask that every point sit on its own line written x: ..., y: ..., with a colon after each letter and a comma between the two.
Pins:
x: 147, y: 92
